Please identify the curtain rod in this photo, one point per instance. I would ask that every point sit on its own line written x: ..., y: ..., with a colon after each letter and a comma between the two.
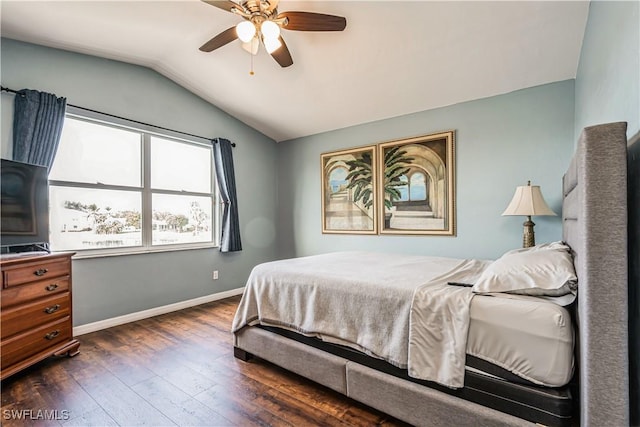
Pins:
x: 233, y: 144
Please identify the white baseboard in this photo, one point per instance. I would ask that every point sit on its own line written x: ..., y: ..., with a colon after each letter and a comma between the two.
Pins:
x: 145, y: 314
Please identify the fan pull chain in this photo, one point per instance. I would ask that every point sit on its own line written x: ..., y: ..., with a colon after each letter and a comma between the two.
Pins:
x: 251, y: 73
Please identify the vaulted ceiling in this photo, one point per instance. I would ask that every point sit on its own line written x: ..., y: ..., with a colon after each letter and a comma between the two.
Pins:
x: 393, y: 58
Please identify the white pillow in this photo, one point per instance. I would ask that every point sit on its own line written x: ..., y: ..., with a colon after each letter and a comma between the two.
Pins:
x: 545, y: 269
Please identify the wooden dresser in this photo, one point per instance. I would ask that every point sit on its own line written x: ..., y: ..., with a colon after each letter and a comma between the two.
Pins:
x: 36, y: 315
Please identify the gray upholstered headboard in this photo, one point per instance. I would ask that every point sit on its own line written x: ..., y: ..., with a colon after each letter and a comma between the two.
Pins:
x: 595, y: 226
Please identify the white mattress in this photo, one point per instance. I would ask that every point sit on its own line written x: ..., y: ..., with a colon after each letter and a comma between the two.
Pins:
x: 530, y: 337
x: 372, y: 296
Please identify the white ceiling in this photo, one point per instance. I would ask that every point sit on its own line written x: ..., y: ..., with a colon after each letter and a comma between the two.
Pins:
x: 394, y: 57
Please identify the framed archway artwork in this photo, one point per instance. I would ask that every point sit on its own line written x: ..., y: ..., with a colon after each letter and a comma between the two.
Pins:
x: 349, y: 193
x: 416, y: 185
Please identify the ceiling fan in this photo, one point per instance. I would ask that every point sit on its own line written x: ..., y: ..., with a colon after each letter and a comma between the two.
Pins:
x: 262, y: 23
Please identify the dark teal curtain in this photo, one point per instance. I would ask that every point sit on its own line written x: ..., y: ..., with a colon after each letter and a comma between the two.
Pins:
x: 37, y: 125
x: 223, y: 160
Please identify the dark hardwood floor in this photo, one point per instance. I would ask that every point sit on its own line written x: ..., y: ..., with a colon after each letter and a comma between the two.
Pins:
x: 174, y: 369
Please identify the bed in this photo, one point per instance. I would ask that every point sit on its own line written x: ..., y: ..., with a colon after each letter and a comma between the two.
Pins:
x: 436, y: 378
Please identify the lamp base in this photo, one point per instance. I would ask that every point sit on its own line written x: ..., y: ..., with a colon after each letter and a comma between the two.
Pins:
x: 528, y: 238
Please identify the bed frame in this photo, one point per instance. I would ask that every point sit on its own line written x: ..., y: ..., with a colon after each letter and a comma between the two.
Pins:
x: 595, y: 226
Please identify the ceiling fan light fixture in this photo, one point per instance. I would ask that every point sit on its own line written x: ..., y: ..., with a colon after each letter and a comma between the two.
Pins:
x: 263, y: 24
x: 271, y: 45
x: 245, y: 30
x: 270, y: 30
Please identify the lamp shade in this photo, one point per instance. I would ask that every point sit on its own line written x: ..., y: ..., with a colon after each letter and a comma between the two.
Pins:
x: 528, y: 200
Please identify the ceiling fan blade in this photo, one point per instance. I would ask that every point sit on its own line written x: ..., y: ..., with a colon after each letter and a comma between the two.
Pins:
x: 282, y: 54
x: 224, y: 4
x: 309, y: 21
x: 227, y: 36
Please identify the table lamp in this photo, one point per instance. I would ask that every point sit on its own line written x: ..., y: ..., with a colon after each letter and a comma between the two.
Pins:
x: 528, y: 201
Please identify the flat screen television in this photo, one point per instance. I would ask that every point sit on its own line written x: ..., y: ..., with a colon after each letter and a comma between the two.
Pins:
x: 24, y: 207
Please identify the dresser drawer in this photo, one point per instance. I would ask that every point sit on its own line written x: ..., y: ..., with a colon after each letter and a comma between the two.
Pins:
x: 20, y: 294
x: 21, y: 346
x: 35, y: 270
x: 27, y: 316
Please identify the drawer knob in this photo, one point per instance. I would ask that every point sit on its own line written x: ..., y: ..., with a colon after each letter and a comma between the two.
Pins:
x: 41, y: 272
x: 51, y: 287
x: 52, y: 335
x: 52, y: 309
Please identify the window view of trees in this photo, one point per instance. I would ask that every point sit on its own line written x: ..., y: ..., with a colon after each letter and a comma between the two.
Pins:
x: 180, y: 219
x: 95, y: 225
x: 106, y: 221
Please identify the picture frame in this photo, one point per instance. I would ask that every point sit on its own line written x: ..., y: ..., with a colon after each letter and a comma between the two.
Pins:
x: 349, y: 191
x: 416, y: 185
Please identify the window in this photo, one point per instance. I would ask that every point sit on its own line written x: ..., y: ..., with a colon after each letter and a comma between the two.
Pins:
x: 116, y: 189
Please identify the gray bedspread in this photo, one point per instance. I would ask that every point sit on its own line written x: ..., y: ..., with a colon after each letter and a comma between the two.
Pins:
x: 398, y: 308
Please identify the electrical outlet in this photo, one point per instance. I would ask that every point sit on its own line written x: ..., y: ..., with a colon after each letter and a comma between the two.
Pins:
x: 215, y: 274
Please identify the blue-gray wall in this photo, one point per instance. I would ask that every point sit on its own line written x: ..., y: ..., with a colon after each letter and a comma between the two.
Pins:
x: 608, y: 77
x: 114, y: 286
x: 607, y: 90
x: 501, y: 142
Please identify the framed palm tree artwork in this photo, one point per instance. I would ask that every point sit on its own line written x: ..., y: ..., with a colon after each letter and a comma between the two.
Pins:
x: 349, y: 191
x: 417, y: 185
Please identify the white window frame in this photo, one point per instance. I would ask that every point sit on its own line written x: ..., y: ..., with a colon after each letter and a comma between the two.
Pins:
x: 146, y: 131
